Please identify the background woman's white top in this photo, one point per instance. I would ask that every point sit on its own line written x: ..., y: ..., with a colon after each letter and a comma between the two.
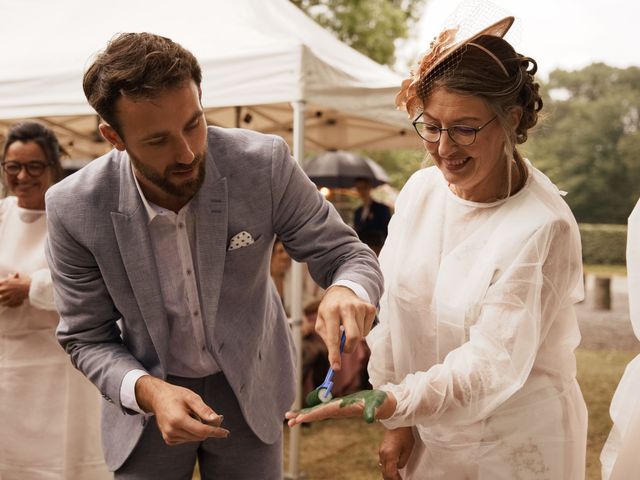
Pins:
x: 619, y: 455
x: 49, y: 413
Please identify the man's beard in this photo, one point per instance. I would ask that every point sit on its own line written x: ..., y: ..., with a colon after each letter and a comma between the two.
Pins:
x: 185, y: 190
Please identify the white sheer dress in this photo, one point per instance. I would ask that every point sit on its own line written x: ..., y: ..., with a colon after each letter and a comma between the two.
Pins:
x: 49, y: 413
x: 477, y: 332
x: 619, y: 457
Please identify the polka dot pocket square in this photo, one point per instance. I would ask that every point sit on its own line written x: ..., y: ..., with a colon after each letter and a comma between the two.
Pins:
x: 239, y: 240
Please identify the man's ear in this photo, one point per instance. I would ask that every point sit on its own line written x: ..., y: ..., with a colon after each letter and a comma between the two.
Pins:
x: 111, y: 136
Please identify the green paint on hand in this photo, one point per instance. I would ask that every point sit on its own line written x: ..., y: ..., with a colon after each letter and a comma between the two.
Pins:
x: 372, y: 400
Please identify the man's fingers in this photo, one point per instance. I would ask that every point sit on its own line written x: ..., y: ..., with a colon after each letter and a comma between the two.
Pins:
x: 370, y: 316
x: 352, y: 331
x: 340, y: 306
x: 180, y: 413
x: 329, y: 330
x: 192, y: 430
x: 202, y: 412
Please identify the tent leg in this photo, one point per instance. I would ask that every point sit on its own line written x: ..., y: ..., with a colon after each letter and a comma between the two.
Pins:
x: 296, y: 308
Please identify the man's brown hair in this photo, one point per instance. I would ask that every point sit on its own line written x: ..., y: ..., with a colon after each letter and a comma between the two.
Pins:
x: 139, y: 66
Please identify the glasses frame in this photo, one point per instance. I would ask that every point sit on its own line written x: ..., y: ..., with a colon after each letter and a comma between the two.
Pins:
x: 26, y: 166
x: 416, y: 125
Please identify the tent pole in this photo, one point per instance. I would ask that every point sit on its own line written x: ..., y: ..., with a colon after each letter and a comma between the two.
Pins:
x: 238, y: 111
x: 296, y: 306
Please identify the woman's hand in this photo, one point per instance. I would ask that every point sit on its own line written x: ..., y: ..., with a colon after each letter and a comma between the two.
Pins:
x: 14, y: 290
x: 394, y: 452
x: 370, y: 404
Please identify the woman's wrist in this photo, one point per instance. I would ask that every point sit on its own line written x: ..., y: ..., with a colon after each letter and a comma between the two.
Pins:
x: 388, y: 407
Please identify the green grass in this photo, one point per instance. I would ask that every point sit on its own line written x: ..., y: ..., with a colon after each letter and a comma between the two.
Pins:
x: 339, y: 450
x: 348, y: 449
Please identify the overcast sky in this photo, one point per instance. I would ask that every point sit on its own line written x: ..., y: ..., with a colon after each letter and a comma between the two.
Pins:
x: 568, y: 34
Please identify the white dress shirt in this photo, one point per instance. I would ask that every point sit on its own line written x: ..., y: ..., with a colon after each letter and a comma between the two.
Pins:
x: 173, y: 240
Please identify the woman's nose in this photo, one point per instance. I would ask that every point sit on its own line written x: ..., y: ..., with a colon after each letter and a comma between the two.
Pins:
x: 22, y: 174
x: 445, y: 145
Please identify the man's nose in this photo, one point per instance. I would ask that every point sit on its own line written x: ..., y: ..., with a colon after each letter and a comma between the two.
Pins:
x: 184, y: 153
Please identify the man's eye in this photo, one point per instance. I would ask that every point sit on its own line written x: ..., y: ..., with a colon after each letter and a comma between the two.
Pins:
x: 431, y: 128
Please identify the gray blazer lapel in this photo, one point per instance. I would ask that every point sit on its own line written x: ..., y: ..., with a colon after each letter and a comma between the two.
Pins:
x: 134, y: 242
x: 211, y: 213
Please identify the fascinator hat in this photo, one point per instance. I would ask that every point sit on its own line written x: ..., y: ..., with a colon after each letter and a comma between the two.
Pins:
x: 471, y: 20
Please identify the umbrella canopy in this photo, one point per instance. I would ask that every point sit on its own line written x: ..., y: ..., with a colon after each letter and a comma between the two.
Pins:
x: 340, y: 169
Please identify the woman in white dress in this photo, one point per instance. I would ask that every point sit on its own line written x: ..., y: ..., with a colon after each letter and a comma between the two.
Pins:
x: 473, y: 362
x: 48, y: 411
x: 619, y: 457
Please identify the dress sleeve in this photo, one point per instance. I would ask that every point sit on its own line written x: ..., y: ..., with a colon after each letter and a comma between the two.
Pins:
x: 514, y: 318
x: 41, y: 290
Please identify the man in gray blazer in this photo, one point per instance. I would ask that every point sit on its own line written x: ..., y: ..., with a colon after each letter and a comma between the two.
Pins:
x: 159, y: 252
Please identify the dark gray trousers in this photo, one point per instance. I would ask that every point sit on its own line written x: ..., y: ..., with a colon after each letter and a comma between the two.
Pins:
x: 240, y: 456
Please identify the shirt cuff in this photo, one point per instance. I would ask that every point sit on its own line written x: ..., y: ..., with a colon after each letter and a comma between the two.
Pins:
x: 355, y: 288
x: 128, y: 390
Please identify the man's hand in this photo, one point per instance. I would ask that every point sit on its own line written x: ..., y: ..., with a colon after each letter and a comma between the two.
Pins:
x: 394, y: 452
x: 340, y: 306
x: 14, y: 290
x: 181, y: 414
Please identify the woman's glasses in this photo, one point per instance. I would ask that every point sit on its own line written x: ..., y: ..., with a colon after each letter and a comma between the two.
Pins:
x: 459, y: 134
x: 34, y: 169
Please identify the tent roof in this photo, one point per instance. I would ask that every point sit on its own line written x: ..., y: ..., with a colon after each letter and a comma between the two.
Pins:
x: 256, y: 56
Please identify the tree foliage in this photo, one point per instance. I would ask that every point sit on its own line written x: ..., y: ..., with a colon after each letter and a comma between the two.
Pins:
x: 369, y: 26
x: 589, y: 142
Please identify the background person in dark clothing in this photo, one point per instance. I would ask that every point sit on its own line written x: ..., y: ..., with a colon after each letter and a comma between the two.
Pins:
x: 371, y: 219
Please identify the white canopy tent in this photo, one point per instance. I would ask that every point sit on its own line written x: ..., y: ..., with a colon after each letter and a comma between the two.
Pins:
x: 258, y: 58
x: 266, y: 66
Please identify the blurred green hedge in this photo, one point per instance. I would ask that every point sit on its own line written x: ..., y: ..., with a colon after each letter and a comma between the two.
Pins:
x: 603, y: 244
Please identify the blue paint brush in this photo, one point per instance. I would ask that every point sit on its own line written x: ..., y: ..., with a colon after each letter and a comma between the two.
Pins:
x: 322, y: 394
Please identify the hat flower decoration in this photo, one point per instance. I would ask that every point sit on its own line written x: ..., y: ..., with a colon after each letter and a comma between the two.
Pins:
x: 470, y: 20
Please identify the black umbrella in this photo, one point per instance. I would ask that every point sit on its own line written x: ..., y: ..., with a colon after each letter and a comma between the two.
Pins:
x: 340, y: 169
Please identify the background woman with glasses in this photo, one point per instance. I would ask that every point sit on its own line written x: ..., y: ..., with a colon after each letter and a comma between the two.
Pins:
x: 49, y: 412
x: 473, y: 362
